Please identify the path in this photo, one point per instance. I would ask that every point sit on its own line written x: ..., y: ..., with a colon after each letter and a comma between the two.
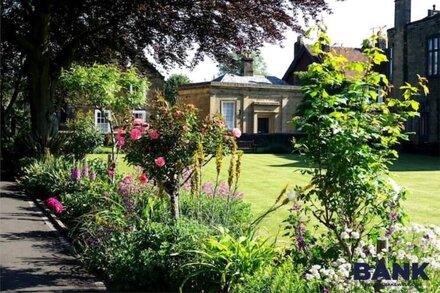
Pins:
x: 33, y: 256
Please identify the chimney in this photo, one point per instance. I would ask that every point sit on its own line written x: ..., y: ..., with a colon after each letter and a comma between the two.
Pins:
x: 433, y: 11
x: 381, y: 40
x: 298, y: 46
x: 402, y: 13
x: 248, y: 65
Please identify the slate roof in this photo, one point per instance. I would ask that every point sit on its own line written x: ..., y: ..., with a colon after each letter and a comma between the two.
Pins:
x: 253, y: 79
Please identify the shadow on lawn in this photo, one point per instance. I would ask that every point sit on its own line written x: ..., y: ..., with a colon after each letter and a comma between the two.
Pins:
x: 405, y: 163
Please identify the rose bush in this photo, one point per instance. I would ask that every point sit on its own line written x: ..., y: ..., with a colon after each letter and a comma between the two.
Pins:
x: 166, y: 148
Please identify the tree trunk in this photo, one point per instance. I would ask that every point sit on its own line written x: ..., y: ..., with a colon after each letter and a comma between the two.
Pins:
x: 173, y: 191
x: 40, y: 99
x: 41, y: 86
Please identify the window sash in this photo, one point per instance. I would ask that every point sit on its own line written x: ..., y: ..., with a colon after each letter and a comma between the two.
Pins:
x: 101, y: 122
x: 141, y: 114
x: 433, y: 56
x: 228, y: 113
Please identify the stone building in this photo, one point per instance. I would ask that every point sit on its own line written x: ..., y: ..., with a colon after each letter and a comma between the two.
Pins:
x: 414, y: 48
x: 252, y: 103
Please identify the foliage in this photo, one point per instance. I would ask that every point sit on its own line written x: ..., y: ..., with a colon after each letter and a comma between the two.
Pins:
x: 284, y: 277
x: 171, y: 86
x: 83, y: 137
x: 228, y: 259
x: 348, y: 146
x: 235, y: 66
x: 106, y: 87
x: 45, y: 177
x: 54, y: 35
x: 167, y: 147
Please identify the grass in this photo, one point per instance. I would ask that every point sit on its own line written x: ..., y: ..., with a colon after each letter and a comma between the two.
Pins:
x: 265, y: 175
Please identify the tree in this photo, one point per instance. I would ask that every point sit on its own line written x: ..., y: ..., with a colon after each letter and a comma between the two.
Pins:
x: 53, y: 34
x: 106, y: 87
x: 235, y: 65
x: 349, y: 142
x: 172, y: 86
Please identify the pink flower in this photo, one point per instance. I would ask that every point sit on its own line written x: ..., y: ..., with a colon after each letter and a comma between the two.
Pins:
x: 92, y: 176
x: 128, y: 180
x: 143, y: 178
x: 236, y: 133
x: 135, y: 134
x: 138, y: 122
x: 190, y: 106
x: 110, y: 173
x: 54, y: 205
x: 154, y: 134
x: 159, y: 161
x: 121, y: 141
x: 145, y: 127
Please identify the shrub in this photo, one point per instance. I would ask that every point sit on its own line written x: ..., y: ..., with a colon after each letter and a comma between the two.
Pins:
x: 83, y: 137
x: 46, y: 177
x: 226, y: 259
x: 284, y: 277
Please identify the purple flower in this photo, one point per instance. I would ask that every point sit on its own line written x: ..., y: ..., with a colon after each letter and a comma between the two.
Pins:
x: 92, y: 176
x: 208, y: 188
x: 393, y: 216
x: 54, y: 205
x: 128, y: 180
x: 300, y: 242
x: 75, y: 174
x: 85, y: 170
x: 296, y: 207
x: 389, y: 232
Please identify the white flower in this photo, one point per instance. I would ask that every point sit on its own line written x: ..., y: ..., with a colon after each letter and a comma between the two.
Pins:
x: 355, y: 235
x: 308, y: 276
x: 345, y: 235
x: 400, y: 254
x: 291, y: 195
x: 396, y: 188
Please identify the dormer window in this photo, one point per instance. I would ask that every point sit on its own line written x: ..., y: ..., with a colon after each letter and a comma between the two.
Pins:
x: 433, y: 56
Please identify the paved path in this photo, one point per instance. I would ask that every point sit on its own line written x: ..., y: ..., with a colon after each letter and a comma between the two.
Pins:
x: 33, y: 256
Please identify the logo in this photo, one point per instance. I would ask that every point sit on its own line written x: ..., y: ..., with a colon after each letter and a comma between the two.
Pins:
x: 408, y: 271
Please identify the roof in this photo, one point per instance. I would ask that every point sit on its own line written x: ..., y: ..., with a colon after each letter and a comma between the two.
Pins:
x: 351, y: 54
x: 253, y: 79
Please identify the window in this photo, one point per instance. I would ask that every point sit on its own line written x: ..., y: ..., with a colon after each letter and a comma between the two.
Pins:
x: 433, y: 56
x: 390, y: 64
x: 101, y: 121
x: 141, y: 114
x: 228, y: 112
x: 424, y: 124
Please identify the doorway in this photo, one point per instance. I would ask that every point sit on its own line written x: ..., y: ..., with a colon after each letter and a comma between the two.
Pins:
x: 263, y: 125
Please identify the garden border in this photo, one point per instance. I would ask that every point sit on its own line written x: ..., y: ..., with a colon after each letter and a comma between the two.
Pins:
x: 62, y: 230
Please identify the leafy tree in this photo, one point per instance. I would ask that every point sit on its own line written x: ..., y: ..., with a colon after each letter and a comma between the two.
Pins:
x: 172, y: 86
x: 349, y: 144
x: 52, y: 35
x: 106, y: 87
x: 235, y: 66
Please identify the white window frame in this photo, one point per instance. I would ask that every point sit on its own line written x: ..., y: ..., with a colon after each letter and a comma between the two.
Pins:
x: 142, y: 113
x: 104, y: 126
x: 233, y: 112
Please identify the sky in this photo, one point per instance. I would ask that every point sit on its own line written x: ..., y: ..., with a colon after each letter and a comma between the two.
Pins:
x: 350, y: 23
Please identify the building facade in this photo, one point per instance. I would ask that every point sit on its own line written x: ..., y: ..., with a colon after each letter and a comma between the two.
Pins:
x: 252, y: 103
x: 414, y: 48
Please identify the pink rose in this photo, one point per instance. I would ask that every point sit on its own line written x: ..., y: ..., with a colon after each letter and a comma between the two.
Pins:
x: 135, y: 134
x: 121, y: 141
x: 143, y: 178
x: 137, y: 122
x: 154, y: 134
x: 159, y: 161
x: 145, y: 127
x: 236, y: 133
x: 111, y: 173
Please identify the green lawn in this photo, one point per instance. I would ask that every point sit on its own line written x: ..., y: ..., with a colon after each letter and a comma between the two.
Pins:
x: 264, y: 176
